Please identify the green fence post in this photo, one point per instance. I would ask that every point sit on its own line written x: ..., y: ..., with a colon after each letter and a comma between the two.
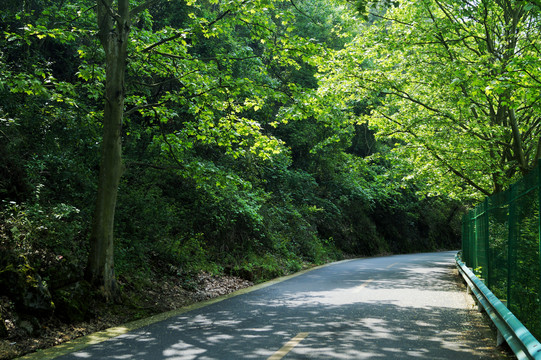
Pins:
x: 471, y: 238
x: 473, y: 246
x: 475, y: 241
x: 464, y: 238
x: 487, y: 248
x: 511, y: 244
x: 538, y: 184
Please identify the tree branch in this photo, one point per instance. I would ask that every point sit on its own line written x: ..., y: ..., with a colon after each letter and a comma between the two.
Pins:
x: 389, y: 19
x: 178, y: 35
x: 171, y: 151
x: 137, y: 108
x: 304, y: 14
x: 440, y: 37
x: 136, y: 10
x: 110, y: 10
x: 519, y: 152
x: 439, y: 158
x: 163, y: 41
x: 214, y: 58
x: 154, y: 166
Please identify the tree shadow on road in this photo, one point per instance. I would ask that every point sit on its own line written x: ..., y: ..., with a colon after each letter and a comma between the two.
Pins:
x: 416, y: 313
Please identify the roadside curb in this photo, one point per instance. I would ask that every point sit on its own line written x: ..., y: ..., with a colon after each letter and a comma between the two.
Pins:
x: 100, y: 336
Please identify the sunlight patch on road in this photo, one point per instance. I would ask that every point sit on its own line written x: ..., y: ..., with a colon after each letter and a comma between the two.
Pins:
x: 377, y: 293
x: 219, y: 338
x: 183, y: 351
x: 261, y: 329
x: 359, y: 288
x: 377, y: 329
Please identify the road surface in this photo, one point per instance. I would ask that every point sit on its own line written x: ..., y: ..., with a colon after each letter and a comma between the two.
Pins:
x: 396, y: 307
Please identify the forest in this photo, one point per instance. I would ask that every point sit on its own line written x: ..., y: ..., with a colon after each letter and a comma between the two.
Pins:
x: 148, y: 144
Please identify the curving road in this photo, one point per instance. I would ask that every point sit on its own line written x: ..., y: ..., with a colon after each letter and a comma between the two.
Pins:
x: 396, y: 307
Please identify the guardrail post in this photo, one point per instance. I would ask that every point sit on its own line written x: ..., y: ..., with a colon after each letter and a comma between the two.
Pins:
x: 499, y: 338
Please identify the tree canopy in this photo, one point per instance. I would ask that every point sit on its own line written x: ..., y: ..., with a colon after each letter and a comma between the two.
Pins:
x: 455, y: 83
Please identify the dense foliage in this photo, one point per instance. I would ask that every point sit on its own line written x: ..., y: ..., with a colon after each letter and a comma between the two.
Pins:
x: 455, y: 83
x: 240, y: 153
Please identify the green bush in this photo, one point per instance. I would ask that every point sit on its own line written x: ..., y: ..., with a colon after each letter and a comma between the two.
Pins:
x: 59, y: 229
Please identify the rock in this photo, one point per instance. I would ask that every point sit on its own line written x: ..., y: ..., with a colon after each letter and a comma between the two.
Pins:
x: 28, y: 324
x: 63, y: 273
x: 27, y: 327
x: 22, y: 284
x: 72, y: 303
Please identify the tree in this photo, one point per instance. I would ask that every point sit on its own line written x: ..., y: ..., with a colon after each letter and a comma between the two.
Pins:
x: 113, y: 32
x: 454, y: 83
x: 185, y: 86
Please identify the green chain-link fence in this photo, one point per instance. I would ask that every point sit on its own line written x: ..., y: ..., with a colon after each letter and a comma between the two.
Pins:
x: 501, y: 243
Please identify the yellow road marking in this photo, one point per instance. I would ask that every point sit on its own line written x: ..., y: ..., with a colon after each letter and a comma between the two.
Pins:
x: 363, y: 285
x: 288, y: 346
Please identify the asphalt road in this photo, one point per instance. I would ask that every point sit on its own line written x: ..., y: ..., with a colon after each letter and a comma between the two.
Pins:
x: 396, y: 307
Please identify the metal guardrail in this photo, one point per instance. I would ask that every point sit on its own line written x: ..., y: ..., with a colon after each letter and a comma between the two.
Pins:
x: 510, y: 329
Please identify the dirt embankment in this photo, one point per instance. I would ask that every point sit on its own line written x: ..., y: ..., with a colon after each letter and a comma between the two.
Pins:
x: 25, y: 336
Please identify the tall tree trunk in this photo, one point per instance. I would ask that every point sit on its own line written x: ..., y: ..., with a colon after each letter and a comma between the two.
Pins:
x: 113, y: 31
